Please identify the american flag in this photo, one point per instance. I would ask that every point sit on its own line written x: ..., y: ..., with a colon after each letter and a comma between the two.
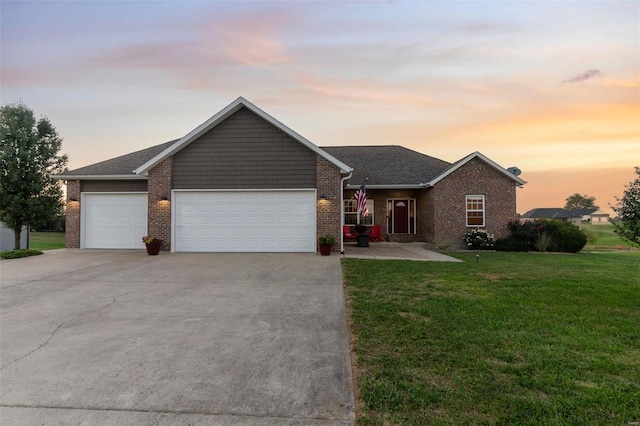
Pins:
x: 361, y: 198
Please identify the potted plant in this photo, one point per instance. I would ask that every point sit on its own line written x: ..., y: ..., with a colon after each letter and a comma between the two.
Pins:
x: 152, y: 244
x: 325, y: 243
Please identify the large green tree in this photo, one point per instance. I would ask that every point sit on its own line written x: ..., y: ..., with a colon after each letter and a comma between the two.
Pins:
x: 30, y: 155
x: 577, y: 201
x: 628, y: 209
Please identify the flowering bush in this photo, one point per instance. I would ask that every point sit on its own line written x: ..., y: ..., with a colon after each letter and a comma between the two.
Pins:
x: 479, y: 239
x: 148, y: 239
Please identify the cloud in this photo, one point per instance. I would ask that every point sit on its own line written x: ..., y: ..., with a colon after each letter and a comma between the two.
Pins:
x: 587, y: 75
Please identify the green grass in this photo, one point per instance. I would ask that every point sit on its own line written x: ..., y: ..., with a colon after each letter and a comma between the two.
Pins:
x: 46, y: 240
x: 516, y: 338
x: 603, y: 236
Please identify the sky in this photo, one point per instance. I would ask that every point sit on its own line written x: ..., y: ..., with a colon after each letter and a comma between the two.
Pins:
x: 551, y: 87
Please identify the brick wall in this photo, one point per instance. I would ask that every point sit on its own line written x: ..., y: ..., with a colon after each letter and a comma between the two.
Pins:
x: 474, y: 178
x: 72, y: 220
x: 159, y: 185
x: 328, y: 210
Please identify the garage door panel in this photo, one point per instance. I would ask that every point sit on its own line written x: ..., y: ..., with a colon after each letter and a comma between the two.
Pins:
x: 246, y: 221
x: 115, y: 221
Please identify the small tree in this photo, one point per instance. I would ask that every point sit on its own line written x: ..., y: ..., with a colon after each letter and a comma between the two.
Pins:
x: 628, y: 209
x: 29, y: 155
x: 577, y: 201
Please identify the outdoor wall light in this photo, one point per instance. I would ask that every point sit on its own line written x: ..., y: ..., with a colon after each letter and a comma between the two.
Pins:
x: 164, y: 198
x: 73, y: 199
x: 323, y: 197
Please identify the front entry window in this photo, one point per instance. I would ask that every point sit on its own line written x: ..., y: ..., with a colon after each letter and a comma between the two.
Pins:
x: 351, y: 216
x: 401, y: 216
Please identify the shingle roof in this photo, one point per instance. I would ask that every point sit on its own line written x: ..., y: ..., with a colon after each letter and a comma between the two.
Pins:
x: 584, y: 212
x: 550, y: 213
x: 123, y: 165
x: 388, y: 164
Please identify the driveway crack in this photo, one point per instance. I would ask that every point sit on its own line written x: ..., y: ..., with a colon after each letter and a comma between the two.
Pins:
x: 62, y: 324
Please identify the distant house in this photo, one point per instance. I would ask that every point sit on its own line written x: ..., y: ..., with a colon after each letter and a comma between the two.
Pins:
x: 593, y: 215
x: 553, y: 213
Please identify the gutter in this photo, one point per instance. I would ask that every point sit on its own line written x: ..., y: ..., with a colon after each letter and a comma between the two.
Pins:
x: 342, y: 209
x: 98, y: 177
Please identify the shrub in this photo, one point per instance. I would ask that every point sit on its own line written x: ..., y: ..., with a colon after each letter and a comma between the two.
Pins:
x: 16, y: 254
x: 479, y: 239
x: 511, y: 244
x: 543, y: 241
x: 568, y: 238
x: 326, y: 240
x: 526, y: 232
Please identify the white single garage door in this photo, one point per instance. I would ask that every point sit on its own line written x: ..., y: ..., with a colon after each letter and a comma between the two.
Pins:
x: 245, y: 221
x: 114, y: 221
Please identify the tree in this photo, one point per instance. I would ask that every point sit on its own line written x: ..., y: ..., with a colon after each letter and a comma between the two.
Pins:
x: 29, y: 156
x: 577, y: 201
x: 628, y: 209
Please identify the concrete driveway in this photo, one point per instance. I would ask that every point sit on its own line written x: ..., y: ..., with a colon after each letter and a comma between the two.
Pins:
x: 120, y: 337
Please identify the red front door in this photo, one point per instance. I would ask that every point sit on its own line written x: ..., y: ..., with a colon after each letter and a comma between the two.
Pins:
x: 400, y: 217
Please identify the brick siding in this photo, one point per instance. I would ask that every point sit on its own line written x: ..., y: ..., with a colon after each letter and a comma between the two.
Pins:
x: 159, y: 185
x: 449, y: 196
x: 328, y: 210
x: 72, y: 215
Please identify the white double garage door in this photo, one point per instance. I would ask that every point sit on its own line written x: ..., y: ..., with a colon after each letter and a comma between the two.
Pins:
x: 206, y: 221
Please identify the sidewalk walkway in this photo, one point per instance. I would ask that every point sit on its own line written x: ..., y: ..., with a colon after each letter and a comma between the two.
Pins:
x: 397, y: 251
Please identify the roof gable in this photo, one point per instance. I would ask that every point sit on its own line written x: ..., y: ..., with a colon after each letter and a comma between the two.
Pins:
x: 220, y: 117
x: 455, y: 166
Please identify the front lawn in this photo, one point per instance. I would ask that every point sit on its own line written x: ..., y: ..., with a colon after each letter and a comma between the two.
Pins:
x: 46, y: 240
x: 516, y: 338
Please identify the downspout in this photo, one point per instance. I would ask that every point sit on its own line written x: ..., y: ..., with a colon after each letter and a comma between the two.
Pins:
x: 342, y: 209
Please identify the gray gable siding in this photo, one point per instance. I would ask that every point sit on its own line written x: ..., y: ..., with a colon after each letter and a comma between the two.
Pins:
x: 244, y: 152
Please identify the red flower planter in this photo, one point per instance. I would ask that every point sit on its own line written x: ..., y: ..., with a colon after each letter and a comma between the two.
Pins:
x: 154, y: 247
x: 325, y: 249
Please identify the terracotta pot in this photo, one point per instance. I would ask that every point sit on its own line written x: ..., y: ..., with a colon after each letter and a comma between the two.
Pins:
x: 154, y: 247
x: 325, y: 249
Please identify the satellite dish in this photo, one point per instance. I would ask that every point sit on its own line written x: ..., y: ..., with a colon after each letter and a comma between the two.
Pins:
x: 514, y: 171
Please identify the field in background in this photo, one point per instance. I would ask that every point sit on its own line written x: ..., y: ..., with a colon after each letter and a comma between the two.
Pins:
x: 602, y: 236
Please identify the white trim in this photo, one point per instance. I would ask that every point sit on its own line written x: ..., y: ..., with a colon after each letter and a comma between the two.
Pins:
x: 398, y: 186
x: 83, y: 209
x: 342, y: 186
x: 244, y: 190
x: 99, y: 177
x: 466, y: 210
x: 469, y: 158
x: 221, y: 116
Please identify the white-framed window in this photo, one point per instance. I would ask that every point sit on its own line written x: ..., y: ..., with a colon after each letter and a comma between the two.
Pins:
x: 475, y: 210
x: 351, y: 216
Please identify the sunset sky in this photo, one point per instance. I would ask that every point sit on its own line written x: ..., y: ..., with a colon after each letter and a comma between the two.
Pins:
x: 551, y: 87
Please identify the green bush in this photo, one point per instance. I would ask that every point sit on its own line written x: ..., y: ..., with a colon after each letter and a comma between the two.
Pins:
x: 548, y: 235
x: 526, y: 232
x: 16, y: 254
x: 565, y: 237
x: 511, y: 244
